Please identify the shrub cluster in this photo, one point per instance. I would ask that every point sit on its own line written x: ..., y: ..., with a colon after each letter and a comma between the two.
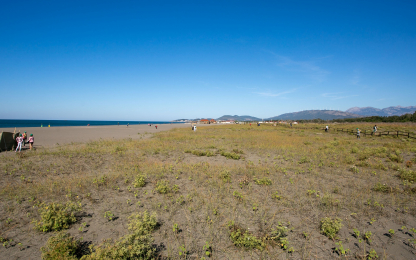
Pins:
x: 408, y: 175
x: 139, y: 181
x: 330, y: 227
x: 137, y: 244
x: 233, y: 156
x: 263, y: 181
x: 242, y: 238
x: 61, y: 246
x: 56, y: 216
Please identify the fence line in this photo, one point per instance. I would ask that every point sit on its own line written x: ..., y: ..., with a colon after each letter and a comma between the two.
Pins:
x: 364, y: 133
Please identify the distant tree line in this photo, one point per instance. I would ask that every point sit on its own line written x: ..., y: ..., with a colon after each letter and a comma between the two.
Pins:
x: 374, y: 119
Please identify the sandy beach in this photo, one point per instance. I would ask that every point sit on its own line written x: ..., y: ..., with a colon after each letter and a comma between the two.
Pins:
x: 50, y: 136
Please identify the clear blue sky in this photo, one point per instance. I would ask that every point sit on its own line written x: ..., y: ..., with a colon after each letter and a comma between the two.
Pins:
x: 164, y: 60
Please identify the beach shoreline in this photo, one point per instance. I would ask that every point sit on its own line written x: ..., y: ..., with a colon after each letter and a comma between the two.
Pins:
x: 52, y: 136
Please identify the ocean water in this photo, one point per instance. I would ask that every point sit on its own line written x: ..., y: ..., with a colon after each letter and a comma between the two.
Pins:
x: 11, y: 123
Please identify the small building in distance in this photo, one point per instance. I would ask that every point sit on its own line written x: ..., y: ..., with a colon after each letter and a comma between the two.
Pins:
x: 212, y: 121
x: 204, y: 121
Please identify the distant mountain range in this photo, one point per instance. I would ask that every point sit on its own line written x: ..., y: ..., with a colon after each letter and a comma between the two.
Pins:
x: 313, y: 114
x: 388, y: 111
x: 324, y: 114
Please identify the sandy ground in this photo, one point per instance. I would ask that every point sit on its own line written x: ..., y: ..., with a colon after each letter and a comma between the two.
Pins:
x: 50, y: 136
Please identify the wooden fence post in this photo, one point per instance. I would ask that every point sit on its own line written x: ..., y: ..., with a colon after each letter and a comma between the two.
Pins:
x: 397, y: 133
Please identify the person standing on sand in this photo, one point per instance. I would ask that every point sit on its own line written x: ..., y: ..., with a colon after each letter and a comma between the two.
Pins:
x: 24, y: 138
x: 127, y: 124
x: 19, y: 141
x: 375, y: 129
x: 31, y: 141
x: 194, y: 128
x: 156, y: 127
x: 358, y: 133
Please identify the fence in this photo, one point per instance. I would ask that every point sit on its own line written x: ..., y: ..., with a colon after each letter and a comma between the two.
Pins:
x: 370, y: 132
x: 364, y: 133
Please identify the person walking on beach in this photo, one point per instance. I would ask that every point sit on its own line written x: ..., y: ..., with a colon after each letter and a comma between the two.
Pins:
x: 31, y: 141
x: 156, y: 127
x: 374, y: 129
x: 127, y: 124
x: 358, y: 133
x: 194, y: 128
x: 19, y: 141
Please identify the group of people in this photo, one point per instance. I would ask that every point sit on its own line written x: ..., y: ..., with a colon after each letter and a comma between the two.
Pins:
x: 22, y: 139
x: 359, y: 131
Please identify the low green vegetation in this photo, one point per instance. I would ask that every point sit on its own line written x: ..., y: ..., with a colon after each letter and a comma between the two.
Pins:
x: 56, y: 216
x: 222, y: 192
x: 61, y: 246
x: 242, y: 238
x: 330, y: 227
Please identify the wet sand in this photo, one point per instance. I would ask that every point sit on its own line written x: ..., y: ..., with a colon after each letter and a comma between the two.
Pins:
x: 50, y: 136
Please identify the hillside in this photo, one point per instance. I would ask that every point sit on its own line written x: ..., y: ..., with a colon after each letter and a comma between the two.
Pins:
x: 389, y: 111
x: 314, y: 114
x: 239, y: 118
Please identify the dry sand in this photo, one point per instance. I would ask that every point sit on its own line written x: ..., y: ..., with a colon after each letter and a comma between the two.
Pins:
x: 50, y: 136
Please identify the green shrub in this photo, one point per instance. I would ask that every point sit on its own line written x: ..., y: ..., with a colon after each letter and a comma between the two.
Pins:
x: 242, y: 238
x: 162, y: 186
x: 62, y: 246
x: 139, y: 181
x: 408, y: 175
x: 201, y: 153
x: 142, y: 223
x: 225, y: 176
x: 264, y: 181
x: 233, y: 156
x: 381, y: 187
x: 328, y: 201
x: 56, y: 216
x: 330, y: 227
x: 380, y: 151
x: 354, y: 149
x: 238, y: 195
x: 304, y: 159
x: 279, y: 232
x: 137, y: 244
x: 394, y: 157
x: 276, y: 196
